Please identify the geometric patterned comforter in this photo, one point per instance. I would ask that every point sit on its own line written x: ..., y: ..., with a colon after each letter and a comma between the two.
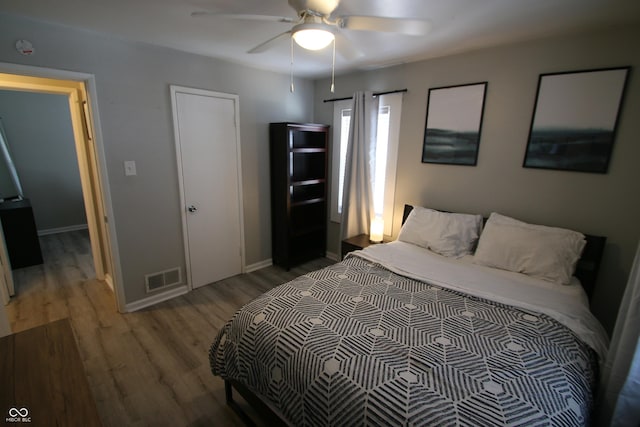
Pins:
x: 356, y: 344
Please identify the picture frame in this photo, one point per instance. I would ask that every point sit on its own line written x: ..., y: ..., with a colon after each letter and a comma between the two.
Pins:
x: 453, y: 124
x: 575, y: 119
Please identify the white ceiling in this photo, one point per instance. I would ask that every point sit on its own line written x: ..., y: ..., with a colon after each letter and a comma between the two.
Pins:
x: 457, y: 26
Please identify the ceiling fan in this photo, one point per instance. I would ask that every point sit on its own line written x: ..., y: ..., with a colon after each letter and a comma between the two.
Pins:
x: 317, y: 25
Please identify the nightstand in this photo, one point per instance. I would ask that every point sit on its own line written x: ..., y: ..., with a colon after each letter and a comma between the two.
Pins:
x: 355, y: 243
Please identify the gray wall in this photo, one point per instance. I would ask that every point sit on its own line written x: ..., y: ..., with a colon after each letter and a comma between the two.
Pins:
x: 133, y: 94
x: 606, y: 204
x: 38, y: 127
x: 132, y: 83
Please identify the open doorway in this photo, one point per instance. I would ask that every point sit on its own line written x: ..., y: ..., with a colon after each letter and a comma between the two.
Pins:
x: 99, y: 234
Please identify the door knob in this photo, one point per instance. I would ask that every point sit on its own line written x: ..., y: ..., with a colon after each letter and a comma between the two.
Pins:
x: 192, y: 208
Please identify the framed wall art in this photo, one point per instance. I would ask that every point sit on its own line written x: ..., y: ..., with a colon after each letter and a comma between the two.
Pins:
x: 453, y: 124
x: 575, y: 118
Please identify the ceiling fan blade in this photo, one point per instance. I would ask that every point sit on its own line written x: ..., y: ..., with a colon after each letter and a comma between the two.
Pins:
x: 323, y: 7
x: 246, y: 17
x: 269, y: 43
x: 412, y: 27
x: 346, y: 47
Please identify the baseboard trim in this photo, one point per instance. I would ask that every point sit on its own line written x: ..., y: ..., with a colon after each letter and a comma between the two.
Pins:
x: 258, y: 265
x: 157, y: 298
x: 332, y: 256
x: 57, y: 230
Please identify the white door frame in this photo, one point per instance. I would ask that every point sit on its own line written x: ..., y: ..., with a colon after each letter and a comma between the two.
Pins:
x: 7, y: 287
x: 183, y: 203
x: 83, y: 104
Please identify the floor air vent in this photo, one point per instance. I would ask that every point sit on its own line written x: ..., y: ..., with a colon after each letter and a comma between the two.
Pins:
x: 163, y: 279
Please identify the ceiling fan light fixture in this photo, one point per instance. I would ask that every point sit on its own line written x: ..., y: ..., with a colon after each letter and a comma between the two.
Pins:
x: 312, y: 36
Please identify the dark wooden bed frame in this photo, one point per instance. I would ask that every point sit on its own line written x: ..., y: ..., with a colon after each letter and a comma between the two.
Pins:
x: 265, y: 412
x: 586, y: 270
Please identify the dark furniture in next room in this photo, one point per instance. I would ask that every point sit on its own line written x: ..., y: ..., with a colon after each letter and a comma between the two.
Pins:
x: 20, y: 233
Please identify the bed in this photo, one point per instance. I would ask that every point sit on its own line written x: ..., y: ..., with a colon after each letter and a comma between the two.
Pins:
x: 432, y: 329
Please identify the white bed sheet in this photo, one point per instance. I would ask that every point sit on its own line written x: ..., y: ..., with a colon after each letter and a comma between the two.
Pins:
x: 567, y: 304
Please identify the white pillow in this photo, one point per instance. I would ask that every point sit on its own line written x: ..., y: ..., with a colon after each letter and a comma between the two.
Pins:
x: 448, y: 234
x: 548, y: 253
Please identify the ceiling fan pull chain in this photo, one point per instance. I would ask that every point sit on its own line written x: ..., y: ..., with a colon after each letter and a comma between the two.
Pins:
x: 292, y: 89
x: 333, y: 68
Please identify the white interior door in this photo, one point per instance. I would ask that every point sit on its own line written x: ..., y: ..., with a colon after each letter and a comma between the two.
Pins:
x: 208, y: 147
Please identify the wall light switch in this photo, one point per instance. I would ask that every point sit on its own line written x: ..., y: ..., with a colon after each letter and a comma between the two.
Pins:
x: 130, y: 168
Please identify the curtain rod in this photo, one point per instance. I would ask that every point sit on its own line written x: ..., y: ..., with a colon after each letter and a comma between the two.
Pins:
x: 375, y: 94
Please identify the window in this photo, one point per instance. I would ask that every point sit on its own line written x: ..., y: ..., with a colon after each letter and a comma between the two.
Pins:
x: 341, y: 135
x: 384, y: 173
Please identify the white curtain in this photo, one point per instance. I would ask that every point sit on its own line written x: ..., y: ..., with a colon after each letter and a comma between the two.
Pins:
x: 620, y: 392
x: 357, y: 193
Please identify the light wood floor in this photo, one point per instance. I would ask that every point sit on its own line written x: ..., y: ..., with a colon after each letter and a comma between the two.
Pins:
x: 147, y: 368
